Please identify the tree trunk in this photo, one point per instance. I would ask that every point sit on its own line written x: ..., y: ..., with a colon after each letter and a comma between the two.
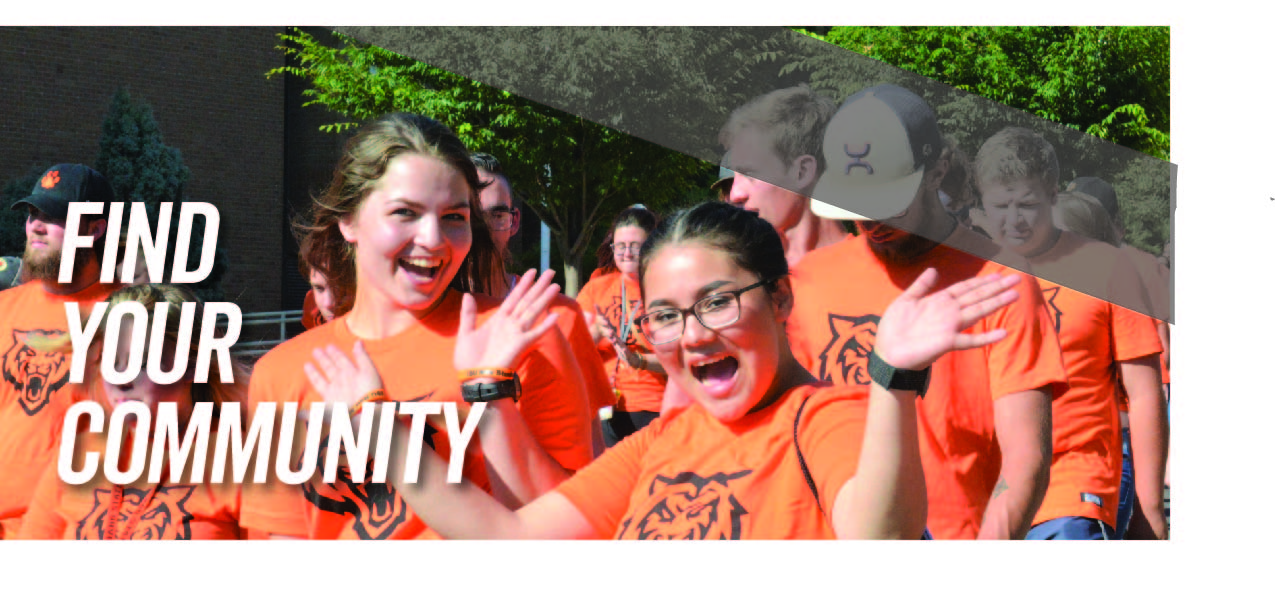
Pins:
x: 571, y: 278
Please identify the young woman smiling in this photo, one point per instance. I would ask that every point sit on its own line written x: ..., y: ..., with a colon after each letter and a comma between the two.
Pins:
x: 401, y: 228
x: 611, y: 302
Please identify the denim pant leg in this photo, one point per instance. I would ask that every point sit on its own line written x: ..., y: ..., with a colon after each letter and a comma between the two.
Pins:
x: 1071, y: 528
x: 1128, y: 496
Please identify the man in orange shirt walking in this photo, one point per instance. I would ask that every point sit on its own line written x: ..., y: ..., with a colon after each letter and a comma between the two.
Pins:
x: 35, y: 387
x: 984, y: 424
x: 1103, y: 344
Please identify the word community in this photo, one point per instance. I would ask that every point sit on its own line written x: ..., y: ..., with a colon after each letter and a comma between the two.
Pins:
x: 171, y: 453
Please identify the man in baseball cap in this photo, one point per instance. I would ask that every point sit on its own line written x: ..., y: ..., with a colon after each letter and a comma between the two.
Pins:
x: 984, y: 422
x: 35, y: 390
x: 725, y: 179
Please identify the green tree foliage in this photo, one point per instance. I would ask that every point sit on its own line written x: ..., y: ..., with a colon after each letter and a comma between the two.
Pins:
x: 1111, y: 83
x: 573, y: 173
x: 141, y: 168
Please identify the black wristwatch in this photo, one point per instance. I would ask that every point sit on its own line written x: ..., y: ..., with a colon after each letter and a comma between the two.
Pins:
x: 893, y: 378
x: 492, y: 391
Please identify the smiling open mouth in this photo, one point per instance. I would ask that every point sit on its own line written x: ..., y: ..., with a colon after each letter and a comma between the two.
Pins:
x: 715, y: 372
x: 422, y: 267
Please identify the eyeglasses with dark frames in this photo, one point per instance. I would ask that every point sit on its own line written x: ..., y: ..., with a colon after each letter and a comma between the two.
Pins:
x: 501, y: 218
x: 714, y: 311
x: 632, y: 247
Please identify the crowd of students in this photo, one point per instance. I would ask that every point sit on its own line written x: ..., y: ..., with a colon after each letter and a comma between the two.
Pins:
x: 742, y: 369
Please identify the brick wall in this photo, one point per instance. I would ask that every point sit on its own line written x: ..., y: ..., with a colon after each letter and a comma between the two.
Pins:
x: 209, y: 92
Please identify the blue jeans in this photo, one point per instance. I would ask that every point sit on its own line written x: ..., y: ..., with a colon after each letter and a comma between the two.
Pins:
x: 1071, y: 528
x: 1128, y: 496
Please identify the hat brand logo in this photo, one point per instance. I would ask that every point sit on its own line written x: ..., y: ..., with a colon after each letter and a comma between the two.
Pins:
x: 856, y: 158
x: 50, y: 179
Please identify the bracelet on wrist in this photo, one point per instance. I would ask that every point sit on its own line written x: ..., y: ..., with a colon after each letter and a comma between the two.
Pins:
x: 373, y: 396
x: 498, y: 373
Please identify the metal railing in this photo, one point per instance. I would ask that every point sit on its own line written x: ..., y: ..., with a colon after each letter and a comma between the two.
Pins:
x: 258, y: 348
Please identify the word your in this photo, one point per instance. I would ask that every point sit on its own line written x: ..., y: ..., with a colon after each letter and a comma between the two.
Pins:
x: 244, y: 450
x: 139, y: 236
x: 82, y: 337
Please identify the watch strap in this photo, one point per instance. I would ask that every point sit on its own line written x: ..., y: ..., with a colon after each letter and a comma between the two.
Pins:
x: 492, y: 391
x: 896, y: 378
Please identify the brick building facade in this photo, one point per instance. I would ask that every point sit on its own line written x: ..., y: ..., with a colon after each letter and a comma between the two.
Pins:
x: 253, y: 150
x: 208, y: 89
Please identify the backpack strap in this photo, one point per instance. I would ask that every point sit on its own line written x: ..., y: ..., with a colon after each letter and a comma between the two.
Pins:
x: 805, y: 470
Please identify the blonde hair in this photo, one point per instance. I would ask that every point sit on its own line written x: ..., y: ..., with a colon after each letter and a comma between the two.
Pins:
x: 1016, y: 154
x: 794, y: 118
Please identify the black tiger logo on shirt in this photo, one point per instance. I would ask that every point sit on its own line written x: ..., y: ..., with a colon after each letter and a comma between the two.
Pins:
x: 377, y: 508
x: 36, y: 374
x: 1050, y: 305
x: 689, y: 507
x: 164, y: 518
x: 614, y: 316
x: 845, y: 359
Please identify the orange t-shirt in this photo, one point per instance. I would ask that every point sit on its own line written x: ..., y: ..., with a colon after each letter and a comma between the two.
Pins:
x: 176, y: 511
x: 35, y: 389
x: 639, y: 390
x: 310, y: 315
x: 415, y: 365
x: 596, y: 382
x: 689, y: 476
x: 841, y: 291
x: 1095, y: 336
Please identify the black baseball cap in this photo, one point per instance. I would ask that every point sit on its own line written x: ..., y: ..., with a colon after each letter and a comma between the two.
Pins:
x: 64, y: 184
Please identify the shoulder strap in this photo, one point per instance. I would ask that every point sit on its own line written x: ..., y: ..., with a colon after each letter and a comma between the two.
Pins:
x: 805, y: 470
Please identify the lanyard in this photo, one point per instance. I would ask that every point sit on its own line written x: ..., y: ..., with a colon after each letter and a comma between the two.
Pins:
x: 117, y: 503
x: 113, y: 515
x: 624, y: 310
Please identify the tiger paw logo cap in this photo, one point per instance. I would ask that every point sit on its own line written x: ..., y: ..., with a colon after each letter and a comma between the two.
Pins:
x: 876, y: 148
x: 64, y: 184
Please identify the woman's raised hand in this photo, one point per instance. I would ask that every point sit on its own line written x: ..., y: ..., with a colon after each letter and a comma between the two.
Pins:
x: 919, y: 327
x: 507, y: 333
x: 339, y: 379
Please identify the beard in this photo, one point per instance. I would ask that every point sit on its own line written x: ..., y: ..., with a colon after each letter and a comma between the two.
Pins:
x: 904, y: 250
x: 44, y: 266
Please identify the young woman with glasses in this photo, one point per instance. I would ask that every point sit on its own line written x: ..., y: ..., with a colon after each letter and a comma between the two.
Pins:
x: 611, y: 302
x: 767, y: 452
